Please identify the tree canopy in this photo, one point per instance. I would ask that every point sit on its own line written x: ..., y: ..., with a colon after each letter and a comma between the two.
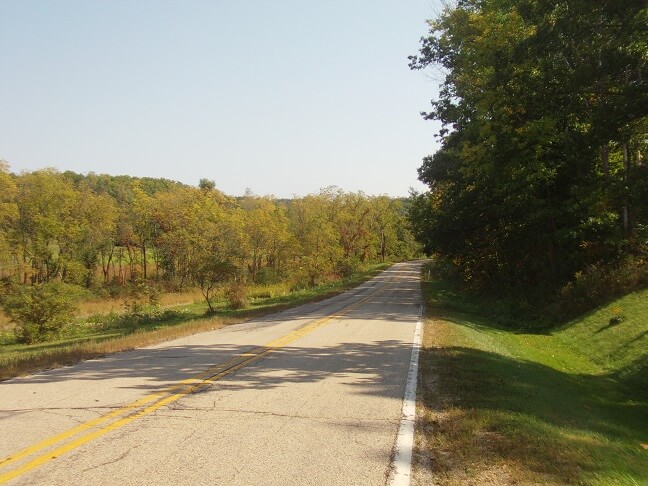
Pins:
x: 544, y: 106
x: 100, y: 231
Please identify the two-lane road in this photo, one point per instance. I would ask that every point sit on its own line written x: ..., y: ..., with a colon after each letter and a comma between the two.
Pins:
x: 312, y: 395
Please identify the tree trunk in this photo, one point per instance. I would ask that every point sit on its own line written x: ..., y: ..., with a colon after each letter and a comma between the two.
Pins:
x: 144, y: 259
x: 626, y: 168
x: 552, y: 250
x: 105, y: 264
x: 605, y: 161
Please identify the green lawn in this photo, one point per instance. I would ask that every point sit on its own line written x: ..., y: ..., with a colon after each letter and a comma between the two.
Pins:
x: 504, y: 406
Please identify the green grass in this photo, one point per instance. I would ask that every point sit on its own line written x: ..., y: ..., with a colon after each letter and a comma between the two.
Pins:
x: 501, y: 405
x: 99, y: 335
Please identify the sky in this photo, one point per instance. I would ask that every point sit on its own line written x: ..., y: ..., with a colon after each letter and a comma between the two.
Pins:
x: 276, y: 96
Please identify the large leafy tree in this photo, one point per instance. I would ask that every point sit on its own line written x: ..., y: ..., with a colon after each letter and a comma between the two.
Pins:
x: 318, y: 247
x: 45, y: 225
x: 222, y: 247
x: 181, y: 217
x: 542, y: 106
x: 266, y: 226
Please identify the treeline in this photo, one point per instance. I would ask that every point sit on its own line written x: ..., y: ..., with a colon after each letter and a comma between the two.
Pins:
x: 541, y: 178
x: 101, y: 231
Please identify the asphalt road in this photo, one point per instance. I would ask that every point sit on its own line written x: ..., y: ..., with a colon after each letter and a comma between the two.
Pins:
x: 312, y: 395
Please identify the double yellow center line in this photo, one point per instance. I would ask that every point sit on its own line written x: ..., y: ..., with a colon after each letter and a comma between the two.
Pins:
x: 95, y: 428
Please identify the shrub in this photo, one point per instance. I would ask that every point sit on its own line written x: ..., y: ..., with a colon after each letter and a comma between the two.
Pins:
x: 40, y: 311
x: 75, y: 273
x: 599, y: 284
x: 142, y: 299
x: 236, y: 295
x: 348, y: 266
x: 263, y: 291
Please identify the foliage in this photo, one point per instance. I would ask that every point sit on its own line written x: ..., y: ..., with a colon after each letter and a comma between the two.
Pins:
x: 126, y: 236
x: 141, y: 299
x: 597, y: 284
x: 41, y: 310
x: 8, y: 212
x: 236, y: 295
x: 544, y: 109
x: 209, y: 274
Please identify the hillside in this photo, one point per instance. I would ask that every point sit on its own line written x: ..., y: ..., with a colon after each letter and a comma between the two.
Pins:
x: 504, y: 406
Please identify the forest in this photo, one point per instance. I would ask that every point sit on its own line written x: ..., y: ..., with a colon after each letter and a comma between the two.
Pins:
x: 540, y: 187
x: 62, y: 232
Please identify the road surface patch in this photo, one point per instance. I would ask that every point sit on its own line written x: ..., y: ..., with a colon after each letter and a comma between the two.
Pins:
x: 160, y: 398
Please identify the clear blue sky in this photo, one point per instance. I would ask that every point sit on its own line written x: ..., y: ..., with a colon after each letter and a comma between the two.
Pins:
x: 283, y: 97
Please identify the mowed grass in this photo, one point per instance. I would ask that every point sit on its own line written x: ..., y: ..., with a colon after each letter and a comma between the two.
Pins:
x: 92, y: 335
x: 505, y: 406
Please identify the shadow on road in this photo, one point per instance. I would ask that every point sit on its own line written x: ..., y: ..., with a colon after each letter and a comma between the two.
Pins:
x: 391, y: 298
x: 375, y: 368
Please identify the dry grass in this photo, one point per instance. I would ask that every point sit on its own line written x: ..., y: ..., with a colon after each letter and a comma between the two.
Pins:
x: 103, y: 306
x: 116, y: 305
x: 461, y: 445
x: 5, y: 322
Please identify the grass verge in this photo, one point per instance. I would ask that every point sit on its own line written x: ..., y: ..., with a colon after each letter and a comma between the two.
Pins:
x: 505, y: 406
x: 110, y: 333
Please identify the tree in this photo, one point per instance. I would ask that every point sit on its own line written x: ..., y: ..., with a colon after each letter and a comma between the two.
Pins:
x: 143, y: 224
x: 352, y: 220
x: 210, y: 273
x: 391, y: 227
x: 45, y: 202
x: 522, y: 192
x: 318, y: 248
x: 206, y: 185
x: 222, y: 249
x: 266, y: 227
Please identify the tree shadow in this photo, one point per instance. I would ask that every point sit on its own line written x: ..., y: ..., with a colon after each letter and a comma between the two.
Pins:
x: 375, y: 368
x: 550, y: 422
x: 634, y: 378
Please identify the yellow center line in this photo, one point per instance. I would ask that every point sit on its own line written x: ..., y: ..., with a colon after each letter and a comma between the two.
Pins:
x: 115, y: 413
x: 187, y: 386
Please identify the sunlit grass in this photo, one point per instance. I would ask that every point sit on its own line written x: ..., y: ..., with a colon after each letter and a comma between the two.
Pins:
x: 503, y: 405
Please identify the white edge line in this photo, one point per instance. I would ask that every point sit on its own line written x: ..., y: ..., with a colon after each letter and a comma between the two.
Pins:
x: 402, y: 468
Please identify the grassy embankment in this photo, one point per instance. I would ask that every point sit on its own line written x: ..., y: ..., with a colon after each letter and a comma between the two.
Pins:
x: 506, y: 406
x: 97, y: 334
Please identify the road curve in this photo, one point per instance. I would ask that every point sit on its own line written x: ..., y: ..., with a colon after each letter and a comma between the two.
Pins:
x: 312, y: 395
